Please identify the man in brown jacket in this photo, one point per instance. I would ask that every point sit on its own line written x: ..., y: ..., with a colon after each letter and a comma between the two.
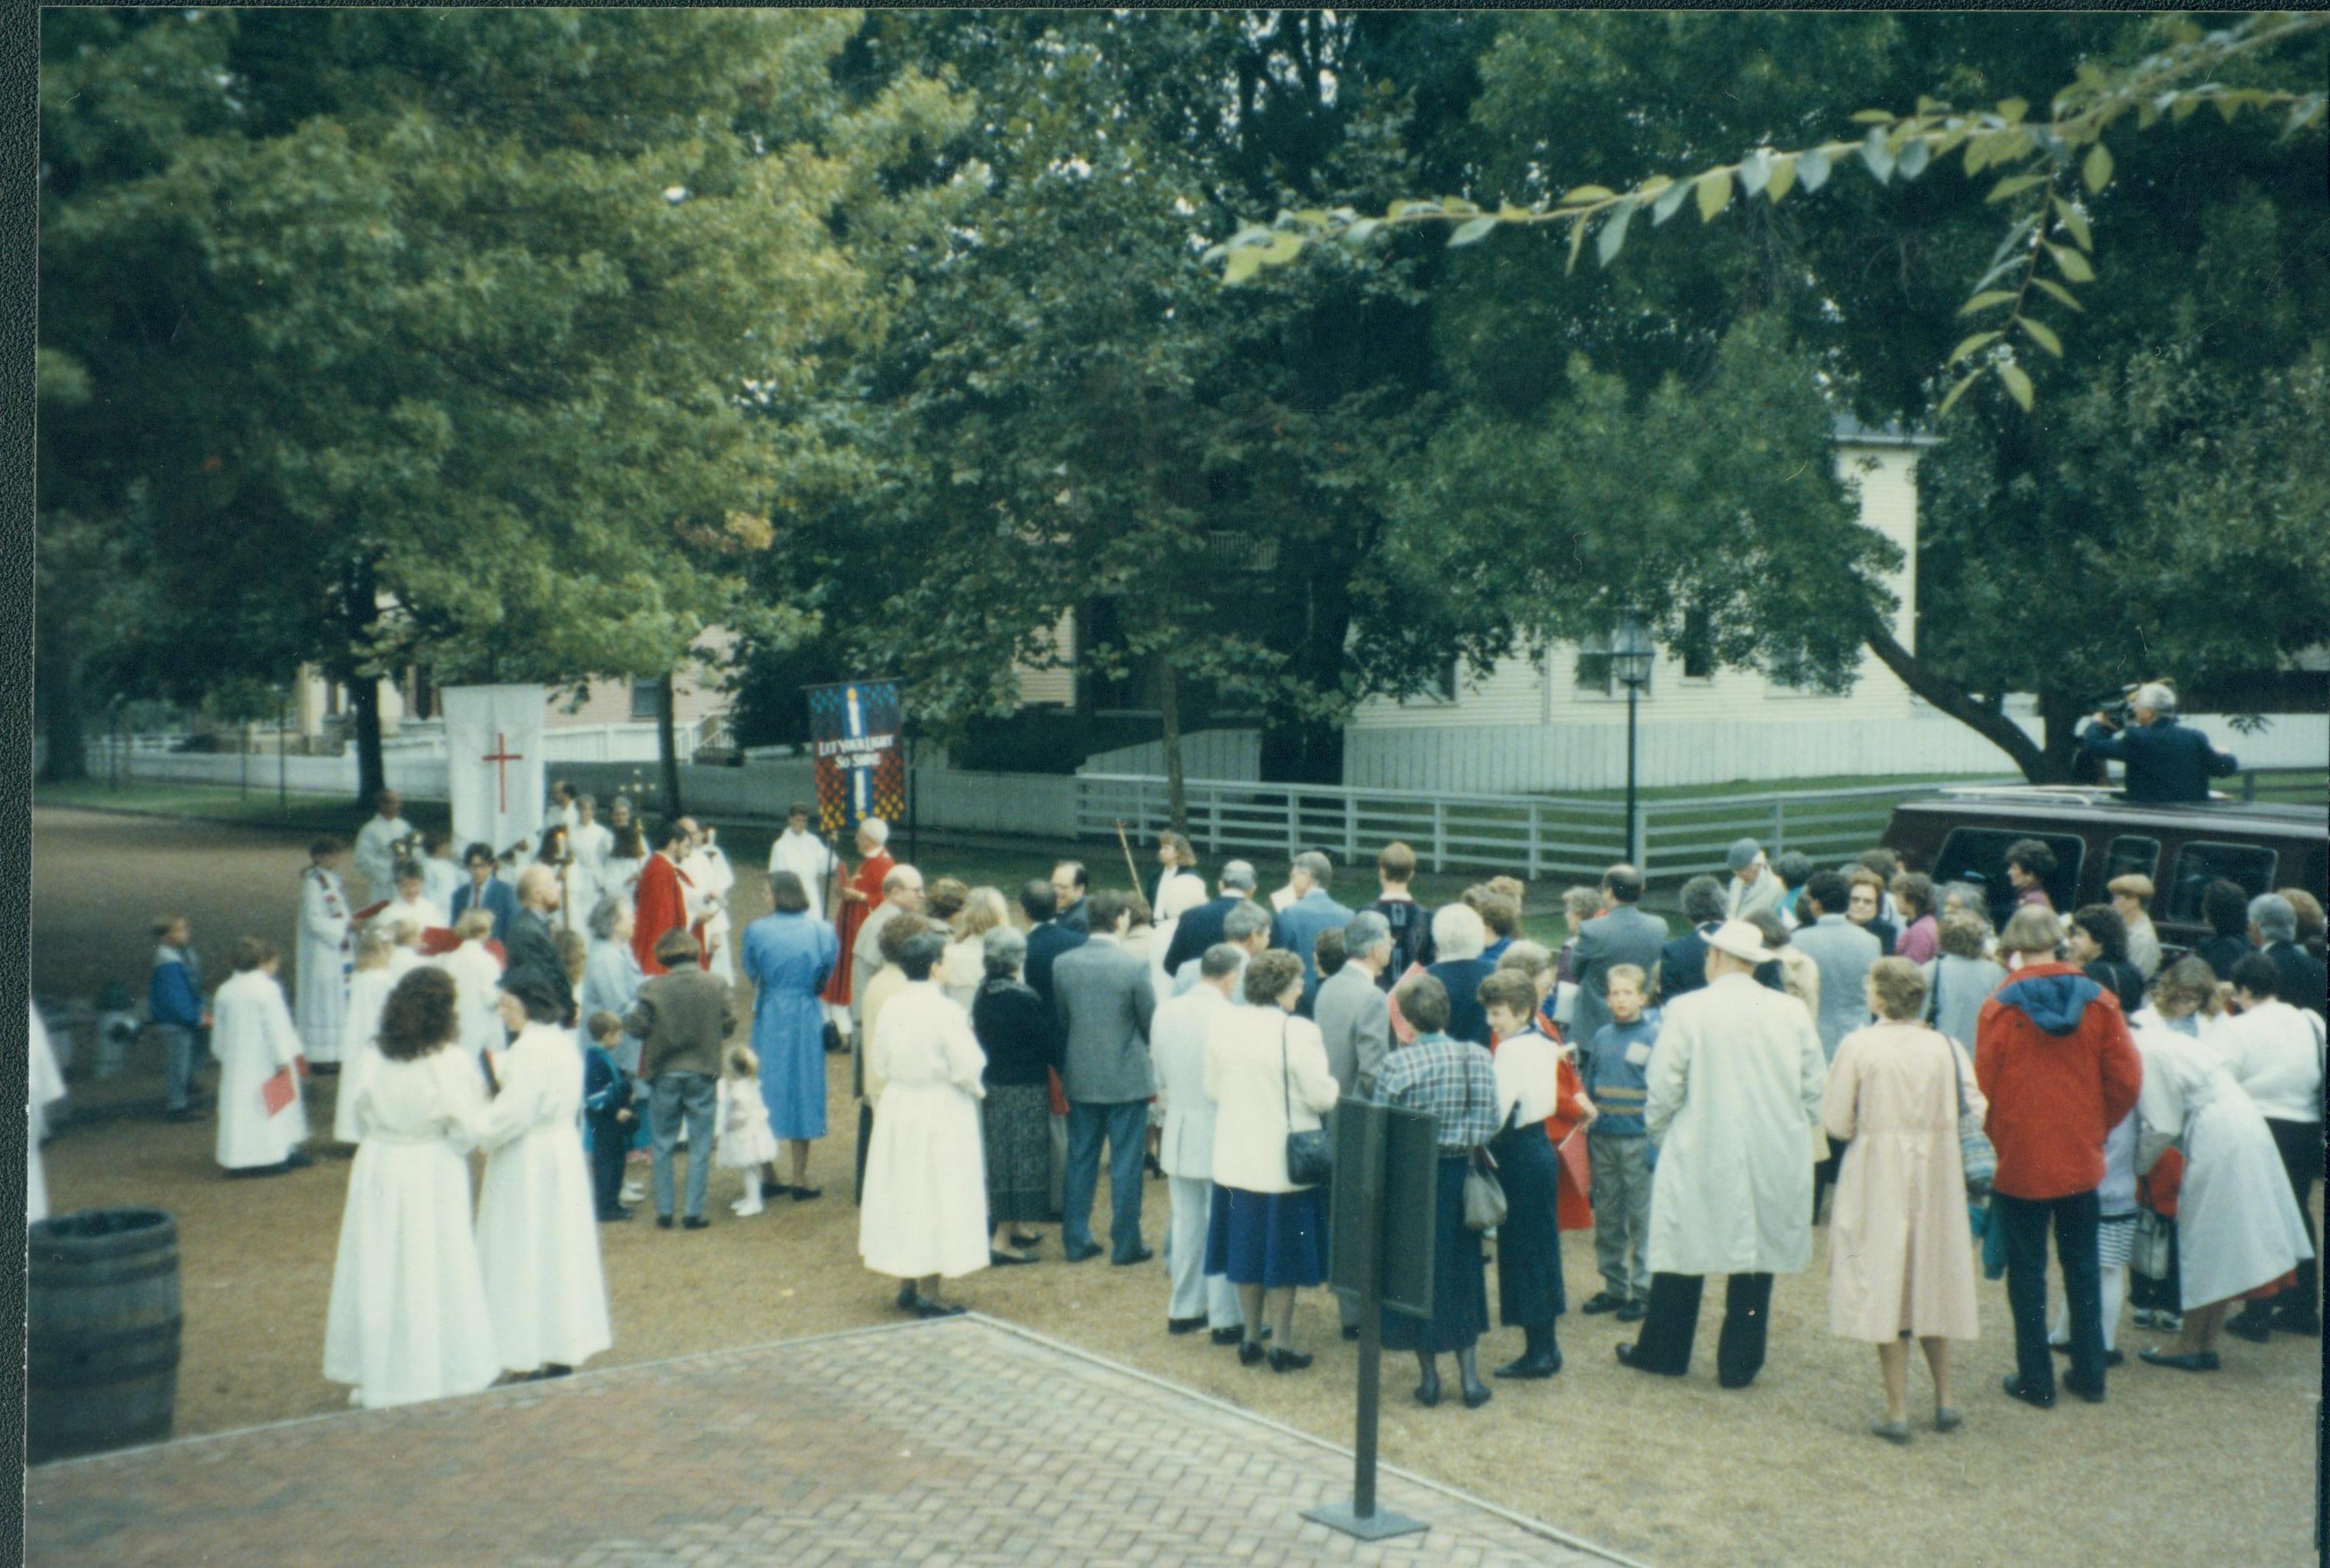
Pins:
x: 683, y: 1016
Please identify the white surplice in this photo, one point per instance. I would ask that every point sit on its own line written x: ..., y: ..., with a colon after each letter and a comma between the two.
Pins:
x: 375, y: 861
x: 476, y: 987
x: 252, y: 1037
x: 714, y: 877
x: 926, y: 1207
x: 537, y: 1226
x: 408, y: 1318
x: 323, y: 972
x: 808, y: 857
x: 368, y: 992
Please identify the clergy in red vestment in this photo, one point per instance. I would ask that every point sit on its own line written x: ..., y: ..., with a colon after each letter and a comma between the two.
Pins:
x: 662, y: 898
x: 860, y: 897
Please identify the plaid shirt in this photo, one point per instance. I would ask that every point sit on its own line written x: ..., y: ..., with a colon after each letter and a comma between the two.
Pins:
x: 1450, y: 1080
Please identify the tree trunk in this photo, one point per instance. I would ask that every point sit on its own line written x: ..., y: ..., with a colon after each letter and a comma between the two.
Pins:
x: 372, y: 766
x: 1168, y: 708
x: 1988, y: 723
x: 668, y: 747
x: 1299, y: 749
x: 62, y: 721
x: 2060, y: 712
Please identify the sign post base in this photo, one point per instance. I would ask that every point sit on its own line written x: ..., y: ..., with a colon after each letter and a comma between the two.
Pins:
x: 1374, y: 1526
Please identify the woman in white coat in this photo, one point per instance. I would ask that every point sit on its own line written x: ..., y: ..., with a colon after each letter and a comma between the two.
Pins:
x: 323, y: 972
x: 1179, y: 889
x: 1266, y: 1073
x: 408, y: 1318
x: 538, y: 1224
x: 1901, y: 1250
x: 2238, y: 1228
x: 253, y: 1039
x: 925, y: 1215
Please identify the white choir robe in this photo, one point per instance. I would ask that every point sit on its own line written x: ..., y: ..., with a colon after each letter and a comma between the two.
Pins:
x: 807, y: 856
x: 925, y: 1209
x: 323, y: 972
x: 368, y: 992
x: 375, y: 861
x: 537, y: 1226
x: 714, y: 877
x: 619, y: 877
x: 408, y: 1318
x: 46, y: 1086
x: 252, y: 1037
x: 440, y: 879
x: 566, y: 816
x: 422, y: 911
x: 476, y: 987
x: 592, y: 842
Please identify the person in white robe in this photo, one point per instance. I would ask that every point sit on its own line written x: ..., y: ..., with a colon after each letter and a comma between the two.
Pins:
x: 378, y: 844
x: 562, y: 810
x: 537, y: 1224
x: 440, y: 874
x: 707, y: 867
x: 2238, y: 1225
x: 252, y: 1037
x: 590, y: 839
x: 925, y: 1214
x: 808, y: 857
x: 45, y: 1086
x: 477, y: 975
x: 407, y: 1319
x: 411, y: 903
x: 324, y: 918
x: 1733, y: 1089
x: 369, y: 985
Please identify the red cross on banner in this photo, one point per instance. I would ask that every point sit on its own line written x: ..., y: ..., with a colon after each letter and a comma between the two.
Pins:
x: 501, y: 757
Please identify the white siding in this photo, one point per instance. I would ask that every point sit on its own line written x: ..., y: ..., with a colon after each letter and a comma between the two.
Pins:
x: 1055, y: 679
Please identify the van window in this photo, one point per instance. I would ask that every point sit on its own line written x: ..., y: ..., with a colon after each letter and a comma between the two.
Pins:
x: 1978, y: 856
x: 2132, y: 856
x: 2201, y: 863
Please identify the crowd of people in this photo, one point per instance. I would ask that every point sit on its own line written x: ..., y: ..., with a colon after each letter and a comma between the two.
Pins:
x: 1962, y: 1090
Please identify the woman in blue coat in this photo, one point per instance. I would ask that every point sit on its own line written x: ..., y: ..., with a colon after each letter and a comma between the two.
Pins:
x: 786, y: 956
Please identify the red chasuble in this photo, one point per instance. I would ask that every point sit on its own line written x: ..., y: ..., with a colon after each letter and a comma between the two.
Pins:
x: 661, y: 906
x: 850, y: 916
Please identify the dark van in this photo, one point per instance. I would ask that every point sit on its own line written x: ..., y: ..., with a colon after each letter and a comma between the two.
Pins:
x: 1962, y: 835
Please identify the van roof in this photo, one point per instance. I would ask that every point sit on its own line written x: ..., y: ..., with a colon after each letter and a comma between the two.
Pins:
x: 2026, y: 802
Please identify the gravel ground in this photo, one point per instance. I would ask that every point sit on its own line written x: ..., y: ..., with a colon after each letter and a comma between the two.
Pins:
x: 2174, y: 1470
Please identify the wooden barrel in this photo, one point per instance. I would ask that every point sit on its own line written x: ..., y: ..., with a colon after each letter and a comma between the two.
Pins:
x: 101, y: 1365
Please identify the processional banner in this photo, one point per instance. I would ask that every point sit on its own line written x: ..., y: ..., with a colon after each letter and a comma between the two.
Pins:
x: 494, y: 765
x: 861, y: 770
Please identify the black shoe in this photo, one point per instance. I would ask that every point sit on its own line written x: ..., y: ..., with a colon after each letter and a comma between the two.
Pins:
x: 1352, y: 1332
x: 1427, y: 1393
x: 2189, y: 1361
x: 556, y: 1369
x: 773, y: 1189
x: 695, y: 1222
x: 297, y: 1159
x: 1019, y: 1240
x: 1176, y: 1326
x: 2256, y: 1330
x: 1725, y: 1380
x: 1476, y: 1395
x: 1013, y: 1259
x: 609, y: 1216
x: 1602, y: 1301
x: 663, y: 1221
x: 1631, y: 1355
x: 803, y: 1195
x: 1250, y: 1352
x: 1228, y: 1336
x: 1288, y: 1361
x: 905, y: 1298
x: 2093, y: 1394
x: 2011, y: 1386
x: 1634, y: 1311
x: 1155, y: 1172
x: 1142, y: 1256
x: 1529, y: 1367
x: 926, y: 1308
x: 1083, y: 1254
x: 2300, y: 1323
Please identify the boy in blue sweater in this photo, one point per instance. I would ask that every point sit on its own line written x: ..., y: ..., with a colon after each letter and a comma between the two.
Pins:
x: 607, y: 1111
x: 173, y: 1001
x: 1617, y: 1081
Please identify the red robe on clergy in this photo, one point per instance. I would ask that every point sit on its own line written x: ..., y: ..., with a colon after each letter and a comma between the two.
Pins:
x: 850, y: 916
x: 661, y: 906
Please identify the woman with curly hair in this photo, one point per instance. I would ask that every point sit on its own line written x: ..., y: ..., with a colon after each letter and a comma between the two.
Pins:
x: 408, y: 1316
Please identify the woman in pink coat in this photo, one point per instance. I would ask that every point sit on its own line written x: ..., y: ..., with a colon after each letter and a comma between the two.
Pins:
x: 1900, y: 1251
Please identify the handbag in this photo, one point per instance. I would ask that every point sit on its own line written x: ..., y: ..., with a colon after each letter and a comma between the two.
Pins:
x: 1975, y: 1151
x: 1309, y: 1160
x: 1484, y: 1195
x: 2151, y: 1253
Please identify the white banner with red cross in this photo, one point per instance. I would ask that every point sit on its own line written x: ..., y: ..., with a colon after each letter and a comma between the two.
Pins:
x: 493, y: 765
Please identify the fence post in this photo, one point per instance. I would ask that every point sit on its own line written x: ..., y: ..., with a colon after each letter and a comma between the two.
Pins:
x: 1639, y: 852
x: 1534, y: 837
x: 1439, y: 835
x: 1294, y: 824
x: 1779, y: 827
x: 2249, y: 785
x: 1214, y: 820
x: 1350, y: 827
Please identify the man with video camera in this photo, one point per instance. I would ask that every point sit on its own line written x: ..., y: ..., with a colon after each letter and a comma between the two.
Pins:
x: 2164, y: 762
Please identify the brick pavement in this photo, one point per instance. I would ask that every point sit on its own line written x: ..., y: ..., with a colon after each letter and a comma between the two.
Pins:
x: 959, y: 1442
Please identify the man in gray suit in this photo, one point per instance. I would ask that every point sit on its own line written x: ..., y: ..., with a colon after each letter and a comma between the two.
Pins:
x: 1177, y: 1049
x: 1622, y: 935
x: 1105, y: 999
x: 1355, y: 1017
x: 1843, y: 953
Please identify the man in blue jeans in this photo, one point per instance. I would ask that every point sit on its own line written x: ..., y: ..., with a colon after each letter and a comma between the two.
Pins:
x: 1104, y: 997
x: 682, y: 1019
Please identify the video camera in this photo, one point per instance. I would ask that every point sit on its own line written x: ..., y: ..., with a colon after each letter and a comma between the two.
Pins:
x: 2118, y: 709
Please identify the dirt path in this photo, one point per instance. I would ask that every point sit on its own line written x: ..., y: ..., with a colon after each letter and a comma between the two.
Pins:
x: 2174, y: 1470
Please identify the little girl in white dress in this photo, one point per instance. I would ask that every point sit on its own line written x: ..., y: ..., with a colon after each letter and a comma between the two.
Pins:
x: 745, y: 1144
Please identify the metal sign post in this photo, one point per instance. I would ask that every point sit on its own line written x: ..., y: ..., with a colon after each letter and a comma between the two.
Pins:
x: 1380, y: 1152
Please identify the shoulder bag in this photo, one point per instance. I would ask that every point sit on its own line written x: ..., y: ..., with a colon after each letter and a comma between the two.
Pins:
x: 1484, y: 1195
x: 1309, y: 1160
x: 2151, y: 1251
x: 1975, y: 1152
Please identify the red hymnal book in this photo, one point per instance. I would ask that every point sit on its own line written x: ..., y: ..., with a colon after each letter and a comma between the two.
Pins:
x: 278, y: 1092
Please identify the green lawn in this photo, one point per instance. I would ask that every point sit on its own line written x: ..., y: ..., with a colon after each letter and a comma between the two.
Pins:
x: 259, y: 809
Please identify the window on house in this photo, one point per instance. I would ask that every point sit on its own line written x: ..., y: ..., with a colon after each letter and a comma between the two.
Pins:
x: 1595, y: 671
x: 1698, y: 646
x: 1442, y: 686
x: 643, y: 698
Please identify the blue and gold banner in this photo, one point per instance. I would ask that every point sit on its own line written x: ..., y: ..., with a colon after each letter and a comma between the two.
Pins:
x: 861, y: 767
